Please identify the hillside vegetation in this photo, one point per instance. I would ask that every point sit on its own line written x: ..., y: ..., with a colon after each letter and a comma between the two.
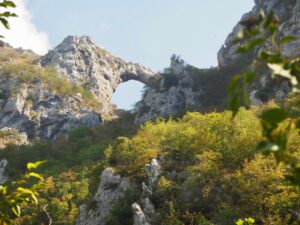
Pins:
x: 212, y: 171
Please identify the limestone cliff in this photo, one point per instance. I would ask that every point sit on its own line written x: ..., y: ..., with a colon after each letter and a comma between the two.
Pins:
x: 288, y: 12
x: 88, y: 75
x: 82, y: 62
x: 112, y: 188
x: 69, y: 87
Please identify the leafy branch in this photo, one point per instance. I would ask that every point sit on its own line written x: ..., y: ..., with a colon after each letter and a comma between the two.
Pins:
x: 4, y: 16
x: 277, y: 123
x: 20, y: 192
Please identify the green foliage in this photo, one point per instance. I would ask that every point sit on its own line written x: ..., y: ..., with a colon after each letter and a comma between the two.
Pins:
x: 121, y: 213
x: 129, y: 156
x: 170, y: 80
x: 18, y: 194
x: 247, y: 221
x: 277, y: 123
x: 173, y: 217
x: 72, y: 171
x: 211, y: 169
x: 6, y: 14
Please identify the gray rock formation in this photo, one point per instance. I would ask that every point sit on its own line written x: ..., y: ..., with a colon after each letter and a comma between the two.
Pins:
x: 10, y: 136
x: 175, y: 94
x: 139, y: 217
x: 186, y: 94
x: 81, y: 61
x: 40, y: 112
x: 289, y: 16
x: 288, y: 13
x: 144, y: 214
x: 111, y: 189
x: 3, y: 176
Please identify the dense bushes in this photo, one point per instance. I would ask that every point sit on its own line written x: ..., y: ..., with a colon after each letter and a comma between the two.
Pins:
x: 72, y: 169
x: 211, y: 169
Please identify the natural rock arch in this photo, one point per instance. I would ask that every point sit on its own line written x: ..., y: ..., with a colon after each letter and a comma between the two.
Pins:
x: 128, y: 94
x: 81, y: 61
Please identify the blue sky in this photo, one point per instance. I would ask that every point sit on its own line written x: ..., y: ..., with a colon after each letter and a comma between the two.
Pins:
x: 143, y: 31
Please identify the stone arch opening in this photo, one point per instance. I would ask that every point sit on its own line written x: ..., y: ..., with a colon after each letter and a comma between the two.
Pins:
x: 127, y: 94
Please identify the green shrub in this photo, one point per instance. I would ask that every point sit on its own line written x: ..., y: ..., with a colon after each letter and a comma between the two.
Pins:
x: 121, y: 213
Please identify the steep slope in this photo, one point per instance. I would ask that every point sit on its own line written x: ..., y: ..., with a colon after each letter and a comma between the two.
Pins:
x: 288, y: 12
x: 82, y: 62
x: 193, y: 89
x: 69, y: 87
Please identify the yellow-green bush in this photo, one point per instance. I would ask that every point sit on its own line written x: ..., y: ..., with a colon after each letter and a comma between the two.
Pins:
x: 219, y: 174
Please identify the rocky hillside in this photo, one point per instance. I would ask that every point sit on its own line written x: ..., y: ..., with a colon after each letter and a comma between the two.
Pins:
x: 73, y: 84
x: 82, y: 62
x: 186, y: 88
x: 69, y: 87
x: 288, y: 12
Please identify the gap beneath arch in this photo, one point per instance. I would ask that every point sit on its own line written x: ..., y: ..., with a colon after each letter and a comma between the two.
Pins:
x: 127, y: 94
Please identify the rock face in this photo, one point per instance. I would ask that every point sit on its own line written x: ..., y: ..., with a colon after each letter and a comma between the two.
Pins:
x: 289, y: 16
x: 111, y: 189
x: 288, y: 13
x: 3, y: 165
x: 33, y: 108
x: 174, y: 95
x: 145, y: 214
x: 183, y: 95
x: 39, y: 112
x: 139, y: 217
x: 10, y: 136
x: 81, y: 61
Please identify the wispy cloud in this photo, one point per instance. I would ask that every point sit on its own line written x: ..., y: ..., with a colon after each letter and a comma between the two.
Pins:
x: 23, y: 32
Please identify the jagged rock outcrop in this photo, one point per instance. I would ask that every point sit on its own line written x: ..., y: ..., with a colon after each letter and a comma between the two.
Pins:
x: 144, y: 214
x: 10, y: 136
x: 29, y: 105
x: 39, y: 112
x: 139, y: 217
x: 175, y: 94
x: 187, y: 93
x: 3, y: 176
x: 288, y: 12
x: 111, y: 189
x: 81, y: 61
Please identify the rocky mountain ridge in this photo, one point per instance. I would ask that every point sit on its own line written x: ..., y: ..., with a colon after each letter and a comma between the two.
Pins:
x: 82, y: 62
x: 38, y: 109
x: 69, y: 87
x: 41, y: 112
x: 195, y: 89
x: 178, y: 93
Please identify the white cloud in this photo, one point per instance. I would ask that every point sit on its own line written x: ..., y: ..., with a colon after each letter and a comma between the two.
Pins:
x: 23, y: 32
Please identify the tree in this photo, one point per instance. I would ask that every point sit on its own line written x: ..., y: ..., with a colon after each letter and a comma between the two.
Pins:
x: 278, y: 123
x: 4, y: 14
